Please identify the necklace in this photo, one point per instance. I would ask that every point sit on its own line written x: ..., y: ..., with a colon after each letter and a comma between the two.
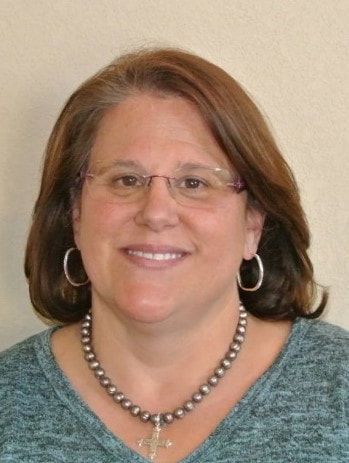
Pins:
x: 160, y: 420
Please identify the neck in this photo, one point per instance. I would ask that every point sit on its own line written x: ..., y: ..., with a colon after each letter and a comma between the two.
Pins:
x: 156, y: 355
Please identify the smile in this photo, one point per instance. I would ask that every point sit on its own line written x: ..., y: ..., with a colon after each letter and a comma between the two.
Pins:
x: 155, y: 256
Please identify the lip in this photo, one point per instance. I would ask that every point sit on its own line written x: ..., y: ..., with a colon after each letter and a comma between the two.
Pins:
x: 154, y: 249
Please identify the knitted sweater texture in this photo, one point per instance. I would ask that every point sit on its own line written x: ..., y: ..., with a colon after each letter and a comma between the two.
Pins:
x: 296, y: 412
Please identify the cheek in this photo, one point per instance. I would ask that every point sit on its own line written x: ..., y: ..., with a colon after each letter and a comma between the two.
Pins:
x: 220, y: 241
x: 100, y: 220
x: 227, y: 231
x: 100, y: 236
x: 222, y: 238
x: 230, y: 247
x: 100, y: 228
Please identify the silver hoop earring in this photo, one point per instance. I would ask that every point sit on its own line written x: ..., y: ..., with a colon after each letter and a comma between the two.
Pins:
x: 66, y: 271
x: 260, y: 276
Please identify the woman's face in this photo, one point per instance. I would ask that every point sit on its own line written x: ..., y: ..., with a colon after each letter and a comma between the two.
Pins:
x: 206, y: 245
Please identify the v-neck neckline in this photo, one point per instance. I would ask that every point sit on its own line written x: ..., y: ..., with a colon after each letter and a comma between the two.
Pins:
x: 113, y: 444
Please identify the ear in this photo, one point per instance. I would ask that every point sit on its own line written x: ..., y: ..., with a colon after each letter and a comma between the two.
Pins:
x: 254, y: 227
x: 76, y: 219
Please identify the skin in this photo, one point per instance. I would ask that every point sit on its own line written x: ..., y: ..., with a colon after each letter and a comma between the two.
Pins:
x: 160, y: 320
x: 143, y: 129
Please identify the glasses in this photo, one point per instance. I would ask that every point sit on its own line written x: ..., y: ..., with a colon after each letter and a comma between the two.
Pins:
x: 195, y: 186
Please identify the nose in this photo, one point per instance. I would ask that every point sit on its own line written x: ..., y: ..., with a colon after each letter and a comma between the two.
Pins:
x: 158, y: 210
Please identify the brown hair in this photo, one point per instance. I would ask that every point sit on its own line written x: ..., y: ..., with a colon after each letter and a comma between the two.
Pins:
x: 288, y: 288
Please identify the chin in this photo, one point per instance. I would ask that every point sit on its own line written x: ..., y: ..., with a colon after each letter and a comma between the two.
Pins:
x: 147, y: 310
x: 148, y: 315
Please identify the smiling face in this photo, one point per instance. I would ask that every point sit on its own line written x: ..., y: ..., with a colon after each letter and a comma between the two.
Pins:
x: 154, y: 259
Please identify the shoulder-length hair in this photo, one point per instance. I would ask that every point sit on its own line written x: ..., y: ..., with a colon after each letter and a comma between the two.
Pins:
x: 288, y: 288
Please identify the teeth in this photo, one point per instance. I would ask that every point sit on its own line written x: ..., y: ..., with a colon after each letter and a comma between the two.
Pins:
x: 154, y: 256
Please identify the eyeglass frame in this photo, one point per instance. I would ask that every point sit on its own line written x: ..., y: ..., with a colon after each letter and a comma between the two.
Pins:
x: 237, y: 183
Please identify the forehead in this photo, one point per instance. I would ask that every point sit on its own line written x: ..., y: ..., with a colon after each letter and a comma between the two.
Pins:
x: 156, y: 131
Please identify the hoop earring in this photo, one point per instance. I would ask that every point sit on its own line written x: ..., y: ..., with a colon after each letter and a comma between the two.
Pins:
x: 66, y: 271
x: 260, y: 276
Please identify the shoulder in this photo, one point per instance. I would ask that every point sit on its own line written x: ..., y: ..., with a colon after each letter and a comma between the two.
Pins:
x: 24, y: 387
x: 327, y: 330
x: 21, y: 350
x: 15, y: 355
x: 324, y: 341
x: 317, y: 364
x: 19, y: 364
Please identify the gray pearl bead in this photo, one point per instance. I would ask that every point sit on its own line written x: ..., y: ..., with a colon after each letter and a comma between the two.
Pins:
x: 126, y: 403
x: 219, y: 371
x: 197, y: 397
x: 94, y: 364
x: 188, y: 406
x: 235, y: 346
x: 226, y: 364
x: 231, y: 355
x: 213, y: 380
x: 168, y: 418
x: 99, y: 372
x: 111, y: 389
x: 155, y: 419
x: 179, y: 413
x: 118, y: 397
x: 204, y: 389
x: 144, y: 416
x: 135, y: 410
x: 239, y: 338
x: 104, y: 381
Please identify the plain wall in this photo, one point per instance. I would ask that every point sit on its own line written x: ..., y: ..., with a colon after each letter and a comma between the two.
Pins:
x: 291, y: 55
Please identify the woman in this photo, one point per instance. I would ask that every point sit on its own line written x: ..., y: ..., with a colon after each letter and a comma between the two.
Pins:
x: 169, y: 242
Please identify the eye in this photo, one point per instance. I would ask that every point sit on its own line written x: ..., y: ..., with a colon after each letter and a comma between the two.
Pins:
x: 192, y: 183
x: 129, y: 180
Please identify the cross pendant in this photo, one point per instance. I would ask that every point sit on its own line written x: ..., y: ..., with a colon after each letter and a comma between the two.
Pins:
x: 154, y: 442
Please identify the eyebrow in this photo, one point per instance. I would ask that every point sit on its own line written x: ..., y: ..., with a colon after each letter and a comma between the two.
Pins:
x: 128, y: 163
x: 193, y: 165
x: 181, y: 165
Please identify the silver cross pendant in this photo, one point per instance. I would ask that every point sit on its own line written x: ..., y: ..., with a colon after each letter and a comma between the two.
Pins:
x: 154, y: 442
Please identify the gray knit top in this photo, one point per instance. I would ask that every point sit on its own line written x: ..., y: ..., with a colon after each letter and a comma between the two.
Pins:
x: 296, y: 412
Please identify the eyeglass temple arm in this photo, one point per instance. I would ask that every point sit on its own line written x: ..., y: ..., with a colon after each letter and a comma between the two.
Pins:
x: 238, y: 184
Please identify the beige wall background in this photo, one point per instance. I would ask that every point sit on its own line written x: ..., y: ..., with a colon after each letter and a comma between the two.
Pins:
x: 292, y: 56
